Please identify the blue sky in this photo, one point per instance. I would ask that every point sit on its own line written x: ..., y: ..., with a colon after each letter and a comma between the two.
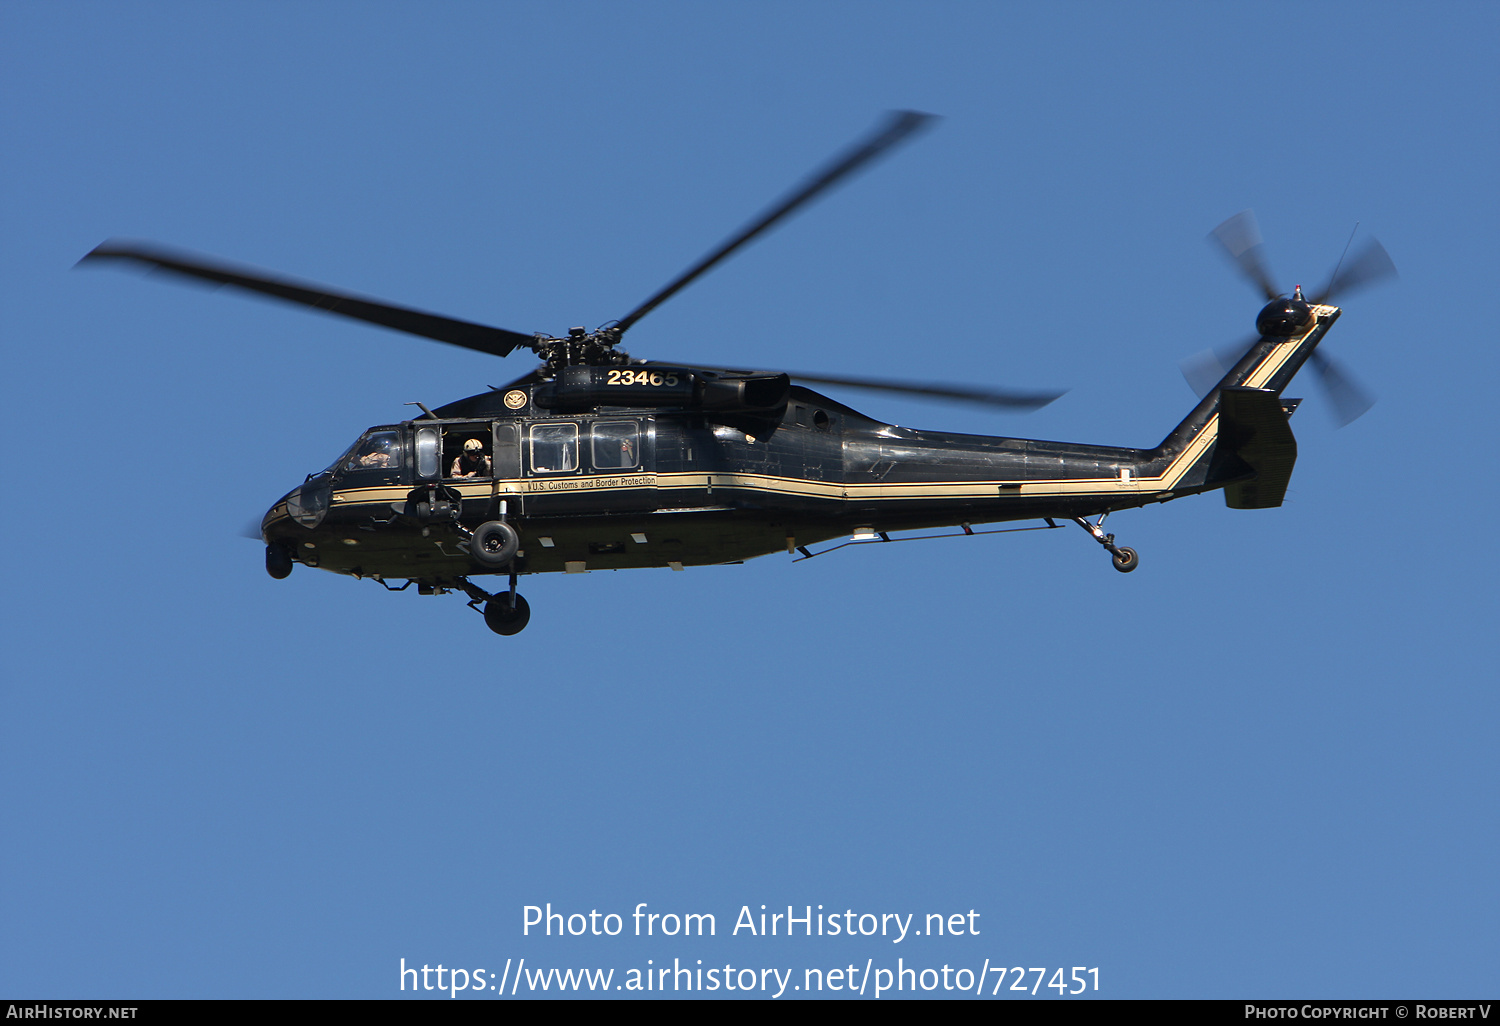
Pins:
x: 1263, y: 764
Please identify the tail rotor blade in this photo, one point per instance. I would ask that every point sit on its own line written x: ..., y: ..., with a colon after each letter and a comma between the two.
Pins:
x: 1206, y: 369
x: 1240, y: 237
x: 1350, y: 400
x: 1371, y: 265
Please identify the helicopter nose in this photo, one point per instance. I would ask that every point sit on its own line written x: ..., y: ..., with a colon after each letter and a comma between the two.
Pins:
x: 308, y: 502
x: 279, y: 560
x: 279, y: 510
x: 269, y: 518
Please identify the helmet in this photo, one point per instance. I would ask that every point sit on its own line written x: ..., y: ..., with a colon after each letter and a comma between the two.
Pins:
x: 473, y: 445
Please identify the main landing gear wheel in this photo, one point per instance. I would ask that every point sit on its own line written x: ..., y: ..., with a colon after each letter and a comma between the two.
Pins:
x: 1126, y: 560
x: 494, y: 544
x: 503, y: 618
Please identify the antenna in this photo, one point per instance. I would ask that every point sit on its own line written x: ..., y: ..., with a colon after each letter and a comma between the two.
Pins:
x: 1335, y: 276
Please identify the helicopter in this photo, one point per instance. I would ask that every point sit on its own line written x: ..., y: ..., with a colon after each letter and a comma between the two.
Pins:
x: 597, y: 461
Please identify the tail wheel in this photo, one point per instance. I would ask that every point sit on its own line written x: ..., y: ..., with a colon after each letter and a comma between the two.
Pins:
x: 494, y: 544
x: 1126, y: 560
x: 503, y: 618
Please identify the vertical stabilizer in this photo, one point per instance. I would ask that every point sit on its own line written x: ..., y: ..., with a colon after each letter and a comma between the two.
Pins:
x: 1267, y: 367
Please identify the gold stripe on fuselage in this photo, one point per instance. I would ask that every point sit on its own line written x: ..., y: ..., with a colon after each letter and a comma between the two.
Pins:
x: 1165, y: 481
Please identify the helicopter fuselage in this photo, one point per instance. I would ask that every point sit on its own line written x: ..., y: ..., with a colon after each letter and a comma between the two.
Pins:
x: 595, y: 461
x: 617, y: 487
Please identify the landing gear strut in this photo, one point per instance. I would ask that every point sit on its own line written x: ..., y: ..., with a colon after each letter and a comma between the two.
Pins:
x: 1125, y: 559
x: 506, y: 613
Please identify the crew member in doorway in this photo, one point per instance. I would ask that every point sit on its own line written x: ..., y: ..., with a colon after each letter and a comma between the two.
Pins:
x: 472, y: 462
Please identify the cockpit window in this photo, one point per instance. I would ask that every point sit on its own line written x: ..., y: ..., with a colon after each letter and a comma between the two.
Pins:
x: 554, y: 448
x: 376, y: 450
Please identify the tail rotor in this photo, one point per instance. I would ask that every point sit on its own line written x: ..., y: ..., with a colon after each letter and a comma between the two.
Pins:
x: 1284, y: 316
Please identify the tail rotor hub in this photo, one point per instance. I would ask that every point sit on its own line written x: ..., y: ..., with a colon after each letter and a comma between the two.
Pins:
x: 1283, y: 318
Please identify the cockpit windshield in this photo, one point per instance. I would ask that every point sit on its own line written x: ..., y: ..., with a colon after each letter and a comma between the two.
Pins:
x: 377, y: 450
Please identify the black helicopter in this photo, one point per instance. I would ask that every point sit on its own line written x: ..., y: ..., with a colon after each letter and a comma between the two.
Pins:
x: 595, y: 461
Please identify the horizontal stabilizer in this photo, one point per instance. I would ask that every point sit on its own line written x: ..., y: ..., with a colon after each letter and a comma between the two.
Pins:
x: 1253, y: 429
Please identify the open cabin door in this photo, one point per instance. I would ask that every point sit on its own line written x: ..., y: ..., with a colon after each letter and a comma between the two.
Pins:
x: 429, y: 500
x: 427, y: 452
x: 507, y: 450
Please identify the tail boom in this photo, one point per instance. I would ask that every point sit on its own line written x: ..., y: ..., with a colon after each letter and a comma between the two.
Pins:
x: 1200, y: 457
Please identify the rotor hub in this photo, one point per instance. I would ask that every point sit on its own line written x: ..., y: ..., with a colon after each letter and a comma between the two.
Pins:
x: 1283, y: 317
x: 582, y: 348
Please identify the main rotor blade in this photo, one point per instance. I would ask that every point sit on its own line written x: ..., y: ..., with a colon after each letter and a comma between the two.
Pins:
x: 898, y: 126
x: 1349, y: 400
x: 1373, y: 264
x: 495, y: 341
x: 954, y: 393
x: 1240, y: 237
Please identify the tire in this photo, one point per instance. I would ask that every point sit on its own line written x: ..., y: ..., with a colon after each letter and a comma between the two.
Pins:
x: 494, y: 544
x: 1126, y: 560
x: 502, y: 619
x: 278, y: 562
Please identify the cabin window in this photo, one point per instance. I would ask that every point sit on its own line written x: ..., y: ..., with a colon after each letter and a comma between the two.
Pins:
x: 554, y: 448
x: 617, y: 445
